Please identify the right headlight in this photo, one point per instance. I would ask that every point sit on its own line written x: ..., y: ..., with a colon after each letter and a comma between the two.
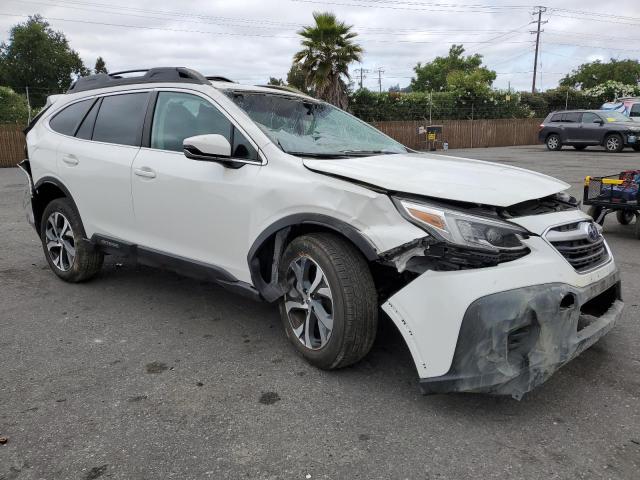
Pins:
x: 460, y: 228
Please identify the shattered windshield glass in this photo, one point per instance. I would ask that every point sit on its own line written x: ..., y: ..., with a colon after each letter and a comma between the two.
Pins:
x: 302, y: 126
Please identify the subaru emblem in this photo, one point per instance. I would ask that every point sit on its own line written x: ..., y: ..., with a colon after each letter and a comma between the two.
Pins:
x: 592, y: 233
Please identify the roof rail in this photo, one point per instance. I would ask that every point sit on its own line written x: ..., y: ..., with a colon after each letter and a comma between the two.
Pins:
x: 284, y: 88
x: 151, y: 75
x: 218, y: 78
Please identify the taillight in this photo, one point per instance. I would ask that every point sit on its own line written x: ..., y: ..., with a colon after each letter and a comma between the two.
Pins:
x: 541, y: 126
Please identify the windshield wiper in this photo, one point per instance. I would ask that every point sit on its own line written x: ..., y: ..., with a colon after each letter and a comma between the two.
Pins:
x: 318, y: 155
x: 365, y: 153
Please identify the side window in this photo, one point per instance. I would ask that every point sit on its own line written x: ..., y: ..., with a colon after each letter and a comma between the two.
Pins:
x: 635, y: 110
x: 572, y: 117
x: 86, y: 127
x: 67, y: 121
x: 556, y: 117
x: 120, y: 119
x: 181, y: 115
x: 589, y: 117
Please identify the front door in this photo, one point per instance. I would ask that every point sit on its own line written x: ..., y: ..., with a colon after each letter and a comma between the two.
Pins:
x: 194, y: 209
x: 591, y: 131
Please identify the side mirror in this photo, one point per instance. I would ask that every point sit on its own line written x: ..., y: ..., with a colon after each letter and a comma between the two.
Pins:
x: 599, y: 121
x: 210, y: 147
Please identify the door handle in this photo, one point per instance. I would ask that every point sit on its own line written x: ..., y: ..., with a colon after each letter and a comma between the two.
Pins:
x: 71, y: 160
x: 145, y: 172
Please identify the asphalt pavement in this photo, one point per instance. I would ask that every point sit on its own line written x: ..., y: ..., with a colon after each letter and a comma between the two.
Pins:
x: 142, y: 374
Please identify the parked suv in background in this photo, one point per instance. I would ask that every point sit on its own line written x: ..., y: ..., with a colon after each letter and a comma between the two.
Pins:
x: 492, y: 274
x: 583, y: 128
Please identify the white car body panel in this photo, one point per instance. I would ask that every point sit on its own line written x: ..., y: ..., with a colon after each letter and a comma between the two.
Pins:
x: 450, y: 178
x: 206, y: 212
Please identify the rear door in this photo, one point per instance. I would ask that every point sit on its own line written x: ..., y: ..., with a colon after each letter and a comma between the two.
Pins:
x: 95, y: 163
x: 194, y: 209
x: 571, y: 127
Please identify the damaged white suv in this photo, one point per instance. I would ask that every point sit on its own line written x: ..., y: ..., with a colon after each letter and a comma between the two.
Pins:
x: 494, y: 277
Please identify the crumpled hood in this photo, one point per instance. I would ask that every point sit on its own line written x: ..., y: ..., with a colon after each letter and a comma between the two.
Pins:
x: 444, y: 177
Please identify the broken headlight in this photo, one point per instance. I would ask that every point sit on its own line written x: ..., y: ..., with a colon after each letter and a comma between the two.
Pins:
x: 459, y: 228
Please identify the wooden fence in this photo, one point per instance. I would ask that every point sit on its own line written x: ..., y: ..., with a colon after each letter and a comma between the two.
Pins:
x: 457, y: 133
x: 467, y: 133
x: 11, y: 145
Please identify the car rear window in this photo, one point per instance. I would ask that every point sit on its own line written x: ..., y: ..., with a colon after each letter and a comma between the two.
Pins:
x: 572, y: 117
x: 120, y: 119
x: 67, y: 121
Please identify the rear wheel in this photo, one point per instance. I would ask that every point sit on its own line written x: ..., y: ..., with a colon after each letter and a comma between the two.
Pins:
x: 625, y: 217
x: 613, y: 143
x: 69, y: 255
x: 330, y: 307
x: 579, y: 147
x: 553, y: 142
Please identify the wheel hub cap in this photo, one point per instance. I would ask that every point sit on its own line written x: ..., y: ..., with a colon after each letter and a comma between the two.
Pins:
x: 309, y: 303
x: 60, y: 241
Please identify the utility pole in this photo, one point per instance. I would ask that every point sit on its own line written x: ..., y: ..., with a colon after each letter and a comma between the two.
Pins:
x: 362, y: 72
x: 540, y: 11
x: 380, y: 71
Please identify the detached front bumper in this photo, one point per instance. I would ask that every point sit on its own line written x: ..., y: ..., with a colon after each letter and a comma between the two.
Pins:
x: 511, y: 342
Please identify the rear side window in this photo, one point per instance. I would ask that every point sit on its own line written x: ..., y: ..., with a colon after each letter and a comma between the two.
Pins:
x: 120, y: 119
x: 572, y: 117
x: 86, y: 127
x: 556, y: 117
x: 67, y: 121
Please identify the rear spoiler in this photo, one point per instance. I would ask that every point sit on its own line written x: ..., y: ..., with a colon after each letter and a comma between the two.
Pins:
x: 51, y: 99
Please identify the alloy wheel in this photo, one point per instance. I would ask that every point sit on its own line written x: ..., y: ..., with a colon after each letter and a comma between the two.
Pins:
x: 309, y: 303
x: 60, y: 241
x: 552, y: 142
x: 613, y: 143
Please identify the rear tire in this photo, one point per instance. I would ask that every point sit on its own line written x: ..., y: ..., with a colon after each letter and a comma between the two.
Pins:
x: 613, y: 143
x: 625, y: 217
x: 579, y: 147
x: 69, y: 255
x: 330, y: 307
x: 594, y: 212
x: 553, y: 142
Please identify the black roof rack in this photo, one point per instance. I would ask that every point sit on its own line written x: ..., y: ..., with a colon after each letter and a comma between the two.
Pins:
x: 218, y: 78
x: 151, y: 75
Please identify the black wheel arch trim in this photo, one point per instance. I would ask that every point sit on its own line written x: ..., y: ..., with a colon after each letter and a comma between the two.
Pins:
x: 58, y: 184
x: 280, y: 229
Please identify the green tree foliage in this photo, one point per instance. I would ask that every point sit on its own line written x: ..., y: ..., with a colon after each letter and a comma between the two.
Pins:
x: 327, y: 51
x: 100, y: 67
x: 40, y: 58
x: 589, y: 75
x: 453, y: 72
x: 13, y: 107
x: 275, y: 81
x: 296, y: 78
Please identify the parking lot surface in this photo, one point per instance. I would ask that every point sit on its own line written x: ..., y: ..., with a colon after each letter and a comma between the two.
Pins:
x: 142, y: 374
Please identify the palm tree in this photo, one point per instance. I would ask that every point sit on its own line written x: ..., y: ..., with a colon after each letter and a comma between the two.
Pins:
x: 328, y: 49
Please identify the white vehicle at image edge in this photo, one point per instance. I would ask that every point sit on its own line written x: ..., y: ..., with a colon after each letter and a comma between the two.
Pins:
x: 492, y: 274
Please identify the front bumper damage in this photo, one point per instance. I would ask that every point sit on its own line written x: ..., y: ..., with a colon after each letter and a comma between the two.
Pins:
x: 511, y: 342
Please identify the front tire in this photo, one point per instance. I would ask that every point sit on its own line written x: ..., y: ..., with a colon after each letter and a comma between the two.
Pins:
x: 625, y: 217
x: 69, y: 255
x: 330, y: 306
x: 613, y: 143
x: 553, y: 142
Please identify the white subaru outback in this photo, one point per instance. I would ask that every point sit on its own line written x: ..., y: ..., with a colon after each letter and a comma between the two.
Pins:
x: 492, y: 274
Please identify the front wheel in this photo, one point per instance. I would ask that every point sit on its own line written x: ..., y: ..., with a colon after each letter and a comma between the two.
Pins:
x: 625, y: 217
x: 553, y: 142
x: 613, y: 143
x: 69, y: 255
x: 330, y: 306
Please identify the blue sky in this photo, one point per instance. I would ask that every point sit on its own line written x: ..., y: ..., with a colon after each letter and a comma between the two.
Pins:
x: 251, y: 40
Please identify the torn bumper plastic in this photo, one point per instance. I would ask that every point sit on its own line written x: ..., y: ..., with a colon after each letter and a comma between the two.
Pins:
x: 511, y: 342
